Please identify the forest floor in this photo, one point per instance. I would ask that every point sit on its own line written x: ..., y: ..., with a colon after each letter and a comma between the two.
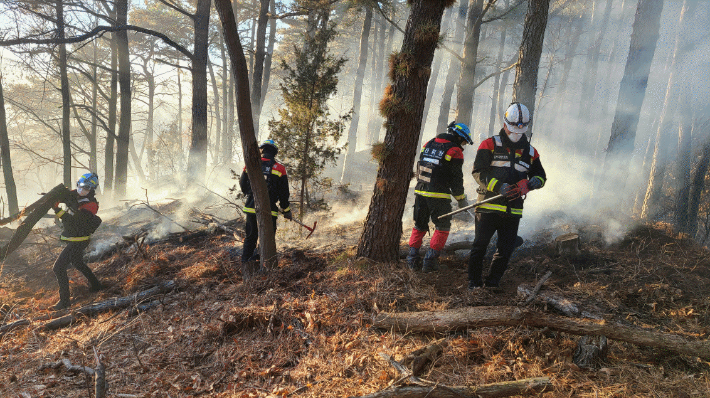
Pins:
x: 304, y: 329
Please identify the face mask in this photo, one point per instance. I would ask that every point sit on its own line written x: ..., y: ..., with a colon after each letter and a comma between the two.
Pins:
x: 82, y: 191
x: 515, y: 137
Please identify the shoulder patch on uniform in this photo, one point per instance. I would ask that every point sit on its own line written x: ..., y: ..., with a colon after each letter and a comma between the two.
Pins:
x: 487, y: 144
x: 455, y: 153
x: 280, y: 168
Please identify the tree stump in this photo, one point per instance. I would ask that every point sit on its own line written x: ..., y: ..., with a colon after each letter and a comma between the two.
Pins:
x: 568, y: 245
x: 590, y: 352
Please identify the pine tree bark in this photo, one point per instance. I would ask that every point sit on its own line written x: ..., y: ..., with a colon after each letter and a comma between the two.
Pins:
x: 259, y: 56
x: 465, y: 92
x: 64, y: 88
x: 111, y: 122
x: 197, y: 161
x: 403, y: 105
x: 250, y: 147
x: 269, y: 54
x: 10, y: 187
x: 631, y: 93
x: 124, y: 82
x: 346, y: 175
x: 525, y: 85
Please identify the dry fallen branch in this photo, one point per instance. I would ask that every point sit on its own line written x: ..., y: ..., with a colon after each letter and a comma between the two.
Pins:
x: 504, y: 389
x: 10, y: 326
x: 470, y: 317
x: 68, y: 365
x: 562, y: 304
x: 536, y: 289
x: 108, y: 305
x: 420, y: 358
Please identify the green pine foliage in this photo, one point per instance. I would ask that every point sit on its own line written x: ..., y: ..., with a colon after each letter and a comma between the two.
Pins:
x: 305, y: 132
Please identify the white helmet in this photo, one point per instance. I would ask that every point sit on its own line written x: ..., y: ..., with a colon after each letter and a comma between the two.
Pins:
x: 517, y: 118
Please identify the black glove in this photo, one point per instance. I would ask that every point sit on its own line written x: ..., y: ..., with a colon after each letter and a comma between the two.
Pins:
x: 463, y: 203
x: 534, y: 183
x: 288, y: 215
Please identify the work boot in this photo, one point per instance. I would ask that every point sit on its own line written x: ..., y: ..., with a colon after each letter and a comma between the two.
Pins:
x: 61, y: 304
x: 430, y: 260
x: 414, y: 260
x: 473, y: 285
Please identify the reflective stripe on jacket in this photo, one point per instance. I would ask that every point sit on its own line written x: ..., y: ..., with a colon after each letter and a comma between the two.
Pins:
x: 276, y: 183
x: 439, y: 173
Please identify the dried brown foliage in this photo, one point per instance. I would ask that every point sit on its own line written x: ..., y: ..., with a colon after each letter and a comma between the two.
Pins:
x: 304, y: 330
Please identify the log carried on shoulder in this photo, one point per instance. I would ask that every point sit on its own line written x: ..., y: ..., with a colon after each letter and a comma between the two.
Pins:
x: 470, y: 317
x: 34, y: 213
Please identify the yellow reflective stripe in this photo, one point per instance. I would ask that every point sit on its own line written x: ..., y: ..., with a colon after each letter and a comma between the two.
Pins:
x: 517, y: 212
x: 253, y: 211
x: 541, y: 180
x: 276, y: 172
x: 460, y: 197
x: 447, y: 157
x: 492, y: 206
x: 491, y: 184
x: 60, y: 213
x: 74, y: 238
x: 286, y: 209
x: 433, y: 194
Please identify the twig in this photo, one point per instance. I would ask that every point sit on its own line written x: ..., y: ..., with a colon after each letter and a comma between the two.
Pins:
x: 537, y: 288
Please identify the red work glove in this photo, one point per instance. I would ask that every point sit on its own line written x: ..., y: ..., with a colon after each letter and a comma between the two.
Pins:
x: 55, y: 206
x: 523, y: 187
x: 511, y: 192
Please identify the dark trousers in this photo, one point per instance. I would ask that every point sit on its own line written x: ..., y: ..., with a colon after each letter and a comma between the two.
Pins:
x: 426, y: 208
x: 486, y: 225
x: 251, y: 229
x: 72, y: 255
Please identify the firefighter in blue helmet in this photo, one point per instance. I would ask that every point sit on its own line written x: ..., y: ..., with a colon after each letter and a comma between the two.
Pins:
x: 277, y: 184
x: 79, y: 221
x: 439, y: 176
x: 505, y: 164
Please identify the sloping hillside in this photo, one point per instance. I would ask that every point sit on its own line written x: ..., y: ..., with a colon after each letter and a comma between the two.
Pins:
x: 305, y: 328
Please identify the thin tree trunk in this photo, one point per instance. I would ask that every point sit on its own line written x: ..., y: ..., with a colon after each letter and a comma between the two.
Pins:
x: 93, y: 161
x: 574, y: 33
x: 525, y: 85
x: 632, y: 91
x: 383, y: 226
x: 10, y: 187
x: 497, y: 91
x: 66, y: 130
x: 267, y: 241
x: 112, y: 104
x: 260, y: 55
x: 179, y: 118
x: 698, y: 185
x: 372, y: 130
x: 346, y: 175
x: 218, y: 118
x: 466, y: 90
x: 124, y: 82
x: 269, y: 55
x: 197, y: 161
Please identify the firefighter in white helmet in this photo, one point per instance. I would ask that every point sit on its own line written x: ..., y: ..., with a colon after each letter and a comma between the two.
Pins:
x: 505, y: 164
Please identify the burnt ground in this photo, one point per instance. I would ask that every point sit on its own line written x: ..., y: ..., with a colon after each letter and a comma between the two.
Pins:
x: 304, y: 328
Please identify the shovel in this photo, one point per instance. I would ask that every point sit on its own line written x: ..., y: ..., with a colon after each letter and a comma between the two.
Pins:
x: 471, y: 206
x: 306, y: 226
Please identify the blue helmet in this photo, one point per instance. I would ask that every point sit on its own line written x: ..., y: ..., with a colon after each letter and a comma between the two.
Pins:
x: 270, y: 143
x: 88, y: 181
x: 461, y: 130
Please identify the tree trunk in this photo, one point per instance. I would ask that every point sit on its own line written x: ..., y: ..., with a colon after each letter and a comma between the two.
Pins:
x: 269, y: 55
x: 250, y: 147
x: 631, y: 93
x: 664, y: 134
x: 64, y: 88
x: 497, y: 90
x: 217, y: 115
x: 698, y: 186
x: 148, y: 143
x: 10, y: 188
x: 685, y: 152
x: 574, y: 33
x: 403, y: 105
x: 487, y: 316
x: 260, y: 55
x: 465, y: 92
x: 373, y: 130
x: 93, y: 160
x: 197, y: 161
x: 501, y: 389
x: 124, y: 82
x: 525, y: 85
x: 112, y: 104
x: 346, y: 175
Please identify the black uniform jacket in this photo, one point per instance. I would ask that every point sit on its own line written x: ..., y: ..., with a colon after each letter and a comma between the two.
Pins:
x: 276, y: 182
x: 499, y: 160
x: 439, y: 170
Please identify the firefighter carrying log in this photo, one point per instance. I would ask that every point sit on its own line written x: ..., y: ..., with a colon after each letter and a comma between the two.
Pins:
x: 439, y: 176
x: 79, y: 221
x: 505, y: 164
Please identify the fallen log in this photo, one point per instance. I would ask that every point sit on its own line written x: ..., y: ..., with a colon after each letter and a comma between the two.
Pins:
x: 472, y: 317
x: 108, y: 305
x: 504, y: 389
x: 562, y: 304
x: 39, y: 209
x: 6, y: 328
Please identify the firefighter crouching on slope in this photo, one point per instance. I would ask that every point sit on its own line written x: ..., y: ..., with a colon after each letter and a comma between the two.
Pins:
x: 79, y: 221
x: 439, y: 175
x: 277, y: 184
x: 502, y: 161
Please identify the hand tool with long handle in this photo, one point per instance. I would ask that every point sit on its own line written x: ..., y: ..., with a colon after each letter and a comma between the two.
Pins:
x: 306, y: 226
x: 471, y: 206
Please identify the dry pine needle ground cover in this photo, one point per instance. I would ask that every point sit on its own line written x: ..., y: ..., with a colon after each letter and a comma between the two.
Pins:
x: 304, y: 329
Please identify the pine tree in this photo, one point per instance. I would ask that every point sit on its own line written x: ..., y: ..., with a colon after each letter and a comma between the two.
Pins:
x: 306, y: 135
